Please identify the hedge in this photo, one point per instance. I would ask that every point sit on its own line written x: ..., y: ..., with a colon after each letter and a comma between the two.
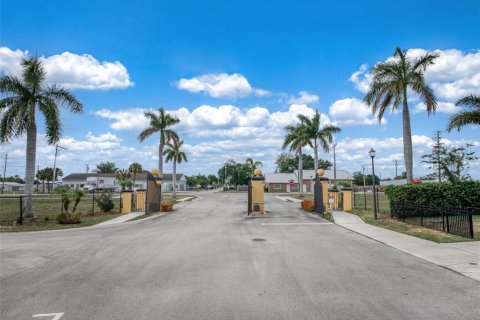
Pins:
x: 457, y: 195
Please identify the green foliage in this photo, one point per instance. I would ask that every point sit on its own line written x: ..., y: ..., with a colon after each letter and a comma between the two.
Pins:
x: 105, y: 201
x: 462, y: 194
x: 464, y: 117
x: 358, y: 179
x: 234, y: 173
x: 287, y: 162
x: 16, y: 179
x: 106, y: 167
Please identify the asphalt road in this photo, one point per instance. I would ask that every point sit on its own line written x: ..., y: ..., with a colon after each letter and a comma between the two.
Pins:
x: 207, y: 260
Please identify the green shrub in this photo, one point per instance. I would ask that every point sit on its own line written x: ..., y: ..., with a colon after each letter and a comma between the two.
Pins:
x: 105, y: 201
x: 462, y: 194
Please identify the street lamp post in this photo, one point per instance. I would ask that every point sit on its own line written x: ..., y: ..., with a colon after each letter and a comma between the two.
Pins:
x: 372, y: 155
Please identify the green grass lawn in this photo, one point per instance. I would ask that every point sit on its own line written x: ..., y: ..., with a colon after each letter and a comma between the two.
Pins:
x: 47, y: 207
x: 386, y: 222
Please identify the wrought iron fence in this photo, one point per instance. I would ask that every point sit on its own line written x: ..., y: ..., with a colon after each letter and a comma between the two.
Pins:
x: 456, y: 221
x: 47, y: 207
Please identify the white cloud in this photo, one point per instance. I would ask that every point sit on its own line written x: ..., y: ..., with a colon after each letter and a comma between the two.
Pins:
x: 443, y: 107
x: 71, y: 70
x: 352, y: 111
x: 454, y: 75
x: 304, y: 98
x: 221, y: 85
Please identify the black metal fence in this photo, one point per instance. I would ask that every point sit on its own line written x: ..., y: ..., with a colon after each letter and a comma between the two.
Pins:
x: 47, y: 207
x: 458, y: 221
x: 363, y: 199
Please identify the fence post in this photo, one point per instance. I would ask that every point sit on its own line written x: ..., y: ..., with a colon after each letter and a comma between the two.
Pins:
x: 421, y: 215
x: 443, y: 220
x: 470, y: 222
x: 93, y: 202
x: 20, y: 218
x: 446, y: 217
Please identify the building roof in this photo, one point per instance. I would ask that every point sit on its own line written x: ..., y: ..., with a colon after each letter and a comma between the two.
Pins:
x: 280, y: 177
x: 12, y: 184
x: 341, y: 174
x: 139, y: 176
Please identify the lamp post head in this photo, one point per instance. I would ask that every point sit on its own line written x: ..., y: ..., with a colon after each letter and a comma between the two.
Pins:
x: 372, y: 152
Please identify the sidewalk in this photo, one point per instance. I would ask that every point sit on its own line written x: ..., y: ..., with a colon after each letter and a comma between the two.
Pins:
x: 461, y: 257
x: 122, y: 218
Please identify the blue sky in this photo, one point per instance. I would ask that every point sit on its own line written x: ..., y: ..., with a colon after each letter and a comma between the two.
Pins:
x: 236, y: 73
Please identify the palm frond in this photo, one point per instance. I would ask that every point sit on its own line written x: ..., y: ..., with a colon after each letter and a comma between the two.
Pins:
x: 470, y: 101
x: 53, y: 123
x: 463, y: 118
x: 65, y: 98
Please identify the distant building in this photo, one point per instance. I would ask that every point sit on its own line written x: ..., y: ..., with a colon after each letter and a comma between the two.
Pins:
x: 78, y: 180
x: 12, y: 186
x: 280, y: 182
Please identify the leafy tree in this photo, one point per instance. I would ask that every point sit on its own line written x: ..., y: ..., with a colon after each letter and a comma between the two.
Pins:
x: 391, y: 81
x: 15, y: 178
x: 235, y: 173
x: 135, y: 168
x: 106, y: 167
x: 160, y: 122
x: 287, y: 162
x: 212, y: 179
x: 46, y: 174
x: 464, y: 118
x: 358, y: 179
x: 253, y: 164
x: 21, y: 99
x: 450, y: 162
x: 123, y: 178
x: 192, y: 181
x: 176, y: 155
x: 296, y: 138
x: 322, y: 136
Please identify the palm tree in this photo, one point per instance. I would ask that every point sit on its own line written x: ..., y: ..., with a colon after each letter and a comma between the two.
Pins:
x: 252, y: 164
x: 464, y: 118
x: 391, y: 81
x: 21, y: 99
x: 322, y: 135
x: 160, y: 123
x: 297, y: 137
x: 177, y: 156
x: 135, y: 168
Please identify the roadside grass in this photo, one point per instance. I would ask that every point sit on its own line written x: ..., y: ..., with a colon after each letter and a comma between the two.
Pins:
x: 166, y: 199
x: 384, y: 221
x: 47, y: 207
x: 38, y: 224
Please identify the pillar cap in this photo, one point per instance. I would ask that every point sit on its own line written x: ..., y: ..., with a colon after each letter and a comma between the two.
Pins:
x: 155, y: 172
x: 257, y: 172
x: 320, y: 172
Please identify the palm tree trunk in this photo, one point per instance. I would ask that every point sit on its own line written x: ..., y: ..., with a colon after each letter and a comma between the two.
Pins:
x: 300, y: 171
x: 315, y: 155
x: 30, y: 168
x: 174, y: 178
x: 407, y: 139
x: 160, y: 159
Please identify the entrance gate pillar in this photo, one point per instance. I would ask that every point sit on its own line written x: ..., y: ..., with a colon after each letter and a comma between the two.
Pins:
x: 320, y: 196
x: 256, y: 193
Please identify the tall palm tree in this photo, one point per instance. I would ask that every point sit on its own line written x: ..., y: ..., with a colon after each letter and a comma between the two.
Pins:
x: 297, y: 137
x: 160, y: 123
x: 391, y: 81
x: 319, y: 135
x: 135, y: 168
x: 175, y: 155
x: 252, y: 164
x: 464, y: 118
x: 21, y: 98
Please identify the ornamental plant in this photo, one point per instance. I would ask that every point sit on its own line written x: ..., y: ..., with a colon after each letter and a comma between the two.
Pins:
x: 307, y: 205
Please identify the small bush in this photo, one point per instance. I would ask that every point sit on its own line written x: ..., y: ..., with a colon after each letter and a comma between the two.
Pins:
x: 66, y: 218
x: 105, y: 201
x: 307, y: 205
x: 463, y: 194
x: 166, y: 207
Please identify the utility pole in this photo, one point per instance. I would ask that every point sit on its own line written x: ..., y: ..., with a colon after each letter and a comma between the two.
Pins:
x: 438, y: 157
x: 55, y: 165
x: 88, y: 168
x: 396, y: 169
x: 4, y: 172
x: 334, y: 166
